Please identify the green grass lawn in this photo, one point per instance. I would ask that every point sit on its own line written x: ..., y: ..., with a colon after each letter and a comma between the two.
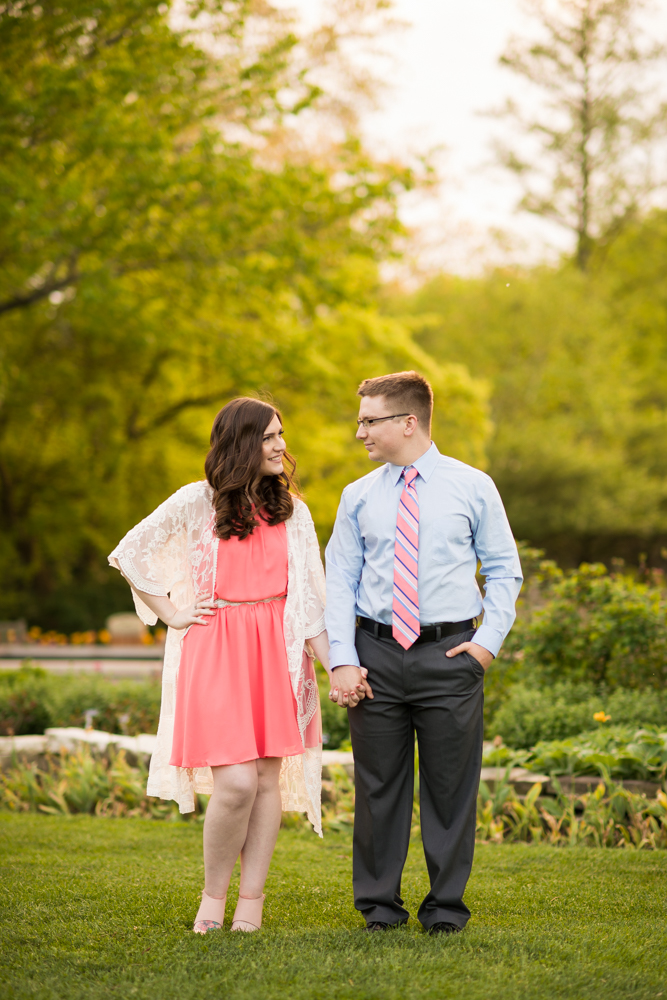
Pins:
x: 101, y: 908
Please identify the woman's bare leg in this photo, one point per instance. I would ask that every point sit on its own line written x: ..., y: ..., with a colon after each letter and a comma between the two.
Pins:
x: 262, y: 830
x: 226, y: 825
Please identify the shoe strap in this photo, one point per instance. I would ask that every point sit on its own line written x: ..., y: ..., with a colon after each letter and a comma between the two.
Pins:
x: 249, y: 911
x: 211, y: 908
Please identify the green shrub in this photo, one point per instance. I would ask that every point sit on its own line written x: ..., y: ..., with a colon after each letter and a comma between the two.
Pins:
x: 83, y: 782
x: 530, y: 714
x: 616, y: 752
x: 602, y: 628
x: 24, y: 701
x: 31, y: 700
x: 335, y: 726
x: 610, y: 816
x: 136, y: 703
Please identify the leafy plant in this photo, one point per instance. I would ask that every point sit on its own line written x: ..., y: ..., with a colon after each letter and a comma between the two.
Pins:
x: 82, y: 783
x: 620, y: 752
x: 31, y: 700
x: 529, y: 714
x: 24, y: 701
x: 610, y: 816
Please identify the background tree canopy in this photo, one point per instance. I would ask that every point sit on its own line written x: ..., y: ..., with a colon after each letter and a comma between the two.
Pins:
x: 170, y: 238
x: 578, y: 369
x: 166, y: 246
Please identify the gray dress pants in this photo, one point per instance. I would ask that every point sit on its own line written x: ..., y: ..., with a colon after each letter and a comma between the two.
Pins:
x: 441, y: 700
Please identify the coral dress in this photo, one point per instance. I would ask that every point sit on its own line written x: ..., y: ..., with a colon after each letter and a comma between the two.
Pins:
x: 234, y: 699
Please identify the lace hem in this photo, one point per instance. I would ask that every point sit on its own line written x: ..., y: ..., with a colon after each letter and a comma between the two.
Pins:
x: 124, y: 565
x: 314, y: 630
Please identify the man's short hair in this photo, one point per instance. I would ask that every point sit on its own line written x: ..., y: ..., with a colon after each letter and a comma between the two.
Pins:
x: 406, y: 392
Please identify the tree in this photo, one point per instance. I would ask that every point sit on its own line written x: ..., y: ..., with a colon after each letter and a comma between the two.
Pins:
x: 577, y: 369
x: 587, y: 162
x: 159, y: 257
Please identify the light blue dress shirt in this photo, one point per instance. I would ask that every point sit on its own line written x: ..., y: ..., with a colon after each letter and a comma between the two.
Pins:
x: 461, y: 520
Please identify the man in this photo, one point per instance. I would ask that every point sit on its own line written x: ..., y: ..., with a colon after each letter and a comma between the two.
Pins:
x: 402, y: 600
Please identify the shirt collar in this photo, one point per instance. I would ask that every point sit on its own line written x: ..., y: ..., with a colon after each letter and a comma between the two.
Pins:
x: 425, y: 465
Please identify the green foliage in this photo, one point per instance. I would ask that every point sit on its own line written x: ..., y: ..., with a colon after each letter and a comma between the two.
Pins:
x: 612, y: 752
x: 32, y: 700
x: 577, y: 372
x: 610, y: 816
x: 82, y: 783
x: 335, y: 725
x: 25, y: 706
x: 530, y: 714
x: 604, y: 628
x: 167, y: 244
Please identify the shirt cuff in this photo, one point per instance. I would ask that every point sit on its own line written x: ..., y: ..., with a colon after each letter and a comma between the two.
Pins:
x: 489, y: 638
x: 341, y: 654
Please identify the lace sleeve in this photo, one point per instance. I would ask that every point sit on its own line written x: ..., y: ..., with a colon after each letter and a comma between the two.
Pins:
x: 153, y: 555
x: 315, y: 589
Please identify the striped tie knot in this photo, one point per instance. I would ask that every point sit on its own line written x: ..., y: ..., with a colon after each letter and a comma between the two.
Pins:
x: 405, y: 606
x: 409, y: 475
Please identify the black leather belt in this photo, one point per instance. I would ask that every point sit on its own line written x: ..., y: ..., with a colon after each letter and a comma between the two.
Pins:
x: 428, y: 633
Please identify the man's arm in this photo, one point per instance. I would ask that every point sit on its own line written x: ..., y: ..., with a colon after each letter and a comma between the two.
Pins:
x: 497, y: 552
x: 344, y: 563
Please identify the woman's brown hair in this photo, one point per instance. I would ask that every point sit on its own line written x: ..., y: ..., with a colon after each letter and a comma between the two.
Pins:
x: 233, y: 470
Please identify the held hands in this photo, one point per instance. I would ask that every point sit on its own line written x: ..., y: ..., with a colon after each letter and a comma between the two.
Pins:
x: 482, y: 655
x: 349, y: 686
x: 191, y: 615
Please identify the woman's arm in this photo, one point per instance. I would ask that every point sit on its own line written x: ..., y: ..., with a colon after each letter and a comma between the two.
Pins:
x: 167, y: 611
x: 320, y: 646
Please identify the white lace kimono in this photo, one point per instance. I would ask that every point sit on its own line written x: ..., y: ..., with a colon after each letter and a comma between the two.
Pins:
x: 173, y: 552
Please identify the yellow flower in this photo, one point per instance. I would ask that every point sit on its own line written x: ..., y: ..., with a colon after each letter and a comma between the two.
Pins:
x: 601, y: 717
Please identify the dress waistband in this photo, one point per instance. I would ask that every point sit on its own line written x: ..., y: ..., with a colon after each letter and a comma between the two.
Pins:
x: 221, y: 603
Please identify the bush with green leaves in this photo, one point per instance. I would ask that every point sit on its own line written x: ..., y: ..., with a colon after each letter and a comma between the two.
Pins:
x: 606, y: 628
x: 31, y: 700
x: 25, y: 705
x: 619, y: 752
x: 612, y: 752
x: 335, y: 725
x: 530, y: 713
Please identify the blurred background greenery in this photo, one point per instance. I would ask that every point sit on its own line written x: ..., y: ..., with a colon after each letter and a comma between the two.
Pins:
x: 189, y: 212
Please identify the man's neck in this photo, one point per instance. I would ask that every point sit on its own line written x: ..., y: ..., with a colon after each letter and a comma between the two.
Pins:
x: 411, y: 453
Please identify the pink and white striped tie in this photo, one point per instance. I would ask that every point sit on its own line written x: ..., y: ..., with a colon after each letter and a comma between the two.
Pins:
x: 405, y: 609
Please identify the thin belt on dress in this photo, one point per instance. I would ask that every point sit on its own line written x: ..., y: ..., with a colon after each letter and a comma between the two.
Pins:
x: 222, y: 603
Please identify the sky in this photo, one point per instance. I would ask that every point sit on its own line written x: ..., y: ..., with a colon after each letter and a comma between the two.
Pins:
x: 444, y: 73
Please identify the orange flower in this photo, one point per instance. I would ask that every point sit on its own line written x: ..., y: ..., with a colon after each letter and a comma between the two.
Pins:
x: 601, y: 717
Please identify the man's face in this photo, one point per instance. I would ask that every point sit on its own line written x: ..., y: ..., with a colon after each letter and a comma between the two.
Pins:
x: 383, y: 441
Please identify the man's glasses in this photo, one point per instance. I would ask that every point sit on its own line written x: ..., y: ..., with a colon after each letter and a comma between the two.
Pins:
x: 369, y: 421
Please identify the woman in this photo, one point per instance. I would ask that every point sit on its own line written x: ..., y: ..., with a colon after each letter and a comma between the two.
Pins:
x: 232, y: 566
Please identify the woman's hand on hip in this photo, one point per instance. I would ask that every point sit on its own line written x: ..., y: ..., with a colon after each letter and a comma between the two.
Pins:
x: 195, y: 614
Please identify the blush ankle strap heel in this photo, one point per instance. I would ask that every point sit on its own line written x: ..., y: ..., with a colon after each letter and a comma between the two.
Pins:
x: 248, y: 914
x: 211, y: 914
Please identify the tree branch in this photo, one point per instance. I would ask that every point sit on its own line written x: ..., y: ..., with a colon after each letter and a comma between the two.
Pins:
x: 22, y: 300
x: 169, y: 413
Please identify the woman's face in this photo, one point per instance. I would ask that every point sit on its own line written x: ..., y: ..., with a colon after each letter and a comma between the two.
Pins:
x: 273, y: 449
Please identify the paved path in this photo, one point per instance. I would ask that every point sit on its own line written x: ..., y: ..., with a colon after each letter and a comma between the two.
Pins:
x: 131, y: 662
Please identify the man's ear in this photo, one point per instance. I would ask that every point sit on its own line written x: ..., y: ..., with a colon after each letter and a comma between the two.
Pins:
x: 411, y: 425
